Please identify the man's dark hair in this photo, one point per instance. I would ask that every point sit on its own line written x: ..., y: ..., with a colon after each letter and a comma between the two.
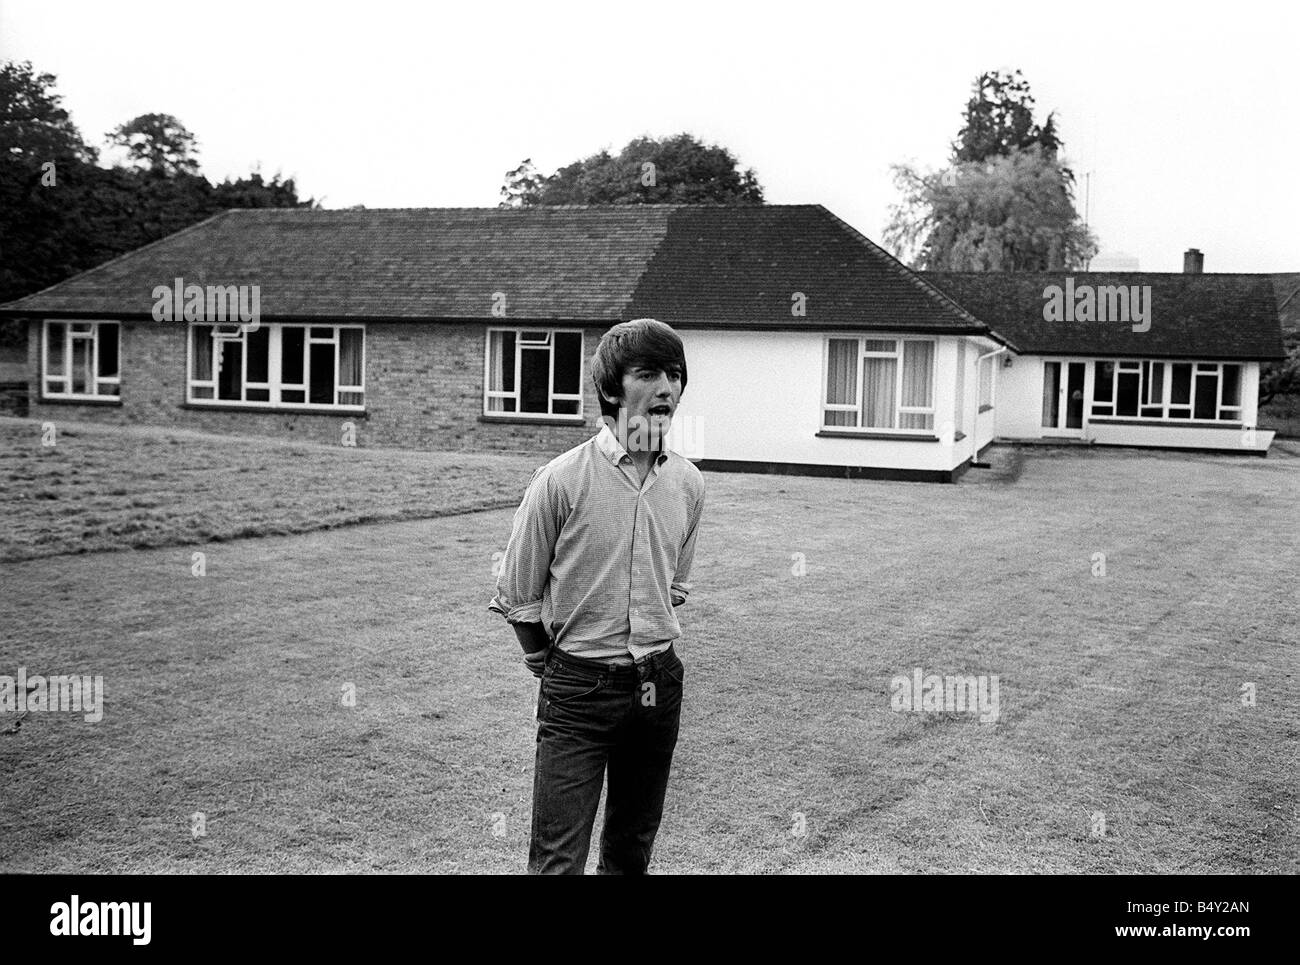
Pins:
x: 646, y: 342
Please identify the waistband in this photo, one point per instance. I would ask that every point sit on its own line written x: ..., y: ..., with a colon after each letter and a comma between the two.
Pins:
x: 615, y: 672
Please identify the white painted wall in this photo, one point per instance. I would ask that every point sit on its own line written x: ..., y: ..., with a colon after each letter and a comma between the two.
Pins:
x: 1020, y: 412
x: 757, y: 397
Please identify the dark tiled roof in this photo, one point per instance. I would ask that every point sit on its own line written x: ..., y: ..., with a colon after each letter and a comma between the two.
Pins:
x: 743, y: 269
x: 436, y: 263
x: 685, y: 264
x: 1192, y: 316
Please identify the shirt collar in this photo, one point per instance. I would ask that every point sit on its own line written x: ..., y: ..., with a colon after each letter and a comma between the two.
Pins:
x: 613, y: 450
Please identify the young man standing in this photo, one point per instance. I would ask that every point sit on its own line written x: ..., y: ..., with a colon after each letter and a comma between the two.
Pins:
x: 599, y: 555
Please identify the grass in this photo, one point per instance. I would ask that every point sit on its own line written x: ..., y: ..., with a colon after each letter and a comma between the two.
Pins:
x: 104, y: 488
x: 1119, y: 694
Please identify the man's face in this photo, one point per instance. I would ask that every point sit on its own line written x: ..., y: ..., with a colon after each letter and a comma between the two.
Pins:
x: 650, y: 396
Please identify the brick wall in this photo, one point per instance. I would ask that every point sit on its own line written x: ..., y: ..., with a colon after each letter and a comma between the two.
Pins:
x: 424, y: 390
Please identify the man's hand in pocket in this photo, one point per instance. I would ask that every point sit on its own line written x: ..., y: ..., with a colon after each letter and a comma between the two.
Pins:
x: 535, y: 662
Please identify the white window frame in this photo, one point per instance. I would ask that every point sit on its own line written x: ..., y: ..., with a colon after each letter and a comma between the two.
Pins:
x: 856, y: 407
x: 274, y: 384
x: 547, y: 338
x: 96, y: 380
x: 1222, y: 413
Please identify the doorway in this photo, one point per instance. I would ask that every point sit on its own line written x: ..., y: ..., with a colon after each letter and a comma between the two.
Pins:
x: 1063, y: 397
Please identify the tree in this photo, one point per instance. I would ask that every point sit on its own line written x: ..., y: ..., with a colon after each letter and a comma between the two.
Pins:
x: 33, y: 127
x: 60, y: 213
x: 999, y: 119
x: 1010, y: 213
x: 158, y: 143
x: 522, y: 187
x: 1005, y: 202
x: 675, y: 170
x: 1283, y: 377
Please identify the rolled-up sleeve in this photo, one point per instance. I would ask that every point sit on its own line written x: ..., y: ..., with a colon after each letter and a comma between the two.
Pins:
x: 680, y: 588
x: 526, y: 566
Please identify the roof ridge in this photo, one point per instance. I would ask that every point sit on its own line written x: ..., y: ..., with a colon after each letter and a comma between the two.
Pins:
x: 914, y: 277
x: 485, y: 209
x: 126, y: 254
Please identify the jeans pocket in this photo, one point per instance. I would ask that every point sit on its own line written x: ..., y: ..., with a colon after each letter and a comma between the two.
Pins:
x: 562, y: 685
x: 674, y: 670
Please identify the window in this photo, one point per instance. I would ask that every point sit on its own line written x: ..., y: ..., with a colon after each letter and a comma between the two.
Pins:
x: 1206, y: 391
x: 317, y: 366
x: 875, y: 383
x: 80, y: 360
x: 986, y: 383
x: 533, y: 373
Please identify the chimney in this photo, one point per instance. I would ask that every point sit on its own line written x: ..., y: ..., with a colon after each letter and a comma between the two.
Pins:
x: 1193, y: 261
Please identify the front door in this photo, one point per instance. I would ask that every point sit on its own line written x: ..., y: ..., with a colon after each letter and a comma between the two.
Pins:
x: 1063, y: 398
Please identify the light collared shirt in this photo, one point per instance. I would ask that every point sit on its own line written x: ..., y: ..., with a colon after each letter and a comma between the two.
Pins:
x: 599, y: 558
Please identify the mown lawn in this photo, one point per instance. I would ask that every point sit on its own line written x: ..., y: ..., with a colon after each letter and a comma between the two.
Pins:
x: 1119, y: 694
x: 101, y: 487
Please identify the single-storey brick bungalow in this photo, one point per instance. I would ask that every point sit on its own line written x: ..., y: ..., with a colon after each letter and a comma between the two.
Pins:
x: 810, y: 349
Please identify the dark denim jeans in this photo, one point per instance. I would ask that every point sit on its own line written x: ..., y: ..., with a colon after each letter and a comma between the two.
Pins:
x: 592, y: 717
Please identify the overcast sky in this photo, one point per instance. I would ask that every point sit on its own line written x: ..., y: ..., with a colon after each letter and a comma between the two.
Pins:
x: 1185, y: 114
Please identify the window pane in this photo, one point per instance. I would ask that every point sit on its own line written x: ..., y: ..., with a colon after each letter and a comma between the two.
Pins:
x: 291, y: 348
x: 1180, y: 387
x: 1207, y: 395
x: 563, y: 407
x: 915, y: 420
x: 1231, y: 387
x: 880, y: 345
x: 842, y: 373
x: 350, y: 358
x: 257, y: 395
x: 82, y: 377
x: 321, y: 372
x: 55, y: 334
x: 878, y: 393
x: 841, y: 419
x: 986, y: 382
x: 108, y: 349
x: 322, y: 332
x: 259, y: 354
x: 202, y: 392
x: 1127, y: 403
x: 533, y: 366
x: 351, y: 398
x: 568, y: 362
x: 918, y: 360
x: 293, y: 396
x: 201, y: 369
x: 539, y: 337
x: 230, y: 379
x: 1051, y: 394
x: 1102, y: 387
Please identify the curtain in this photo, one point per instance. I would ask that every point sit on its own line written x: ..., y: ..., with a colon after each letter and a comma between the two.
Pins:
x: 878, y: 393
x: 350, y: 357
x: 202, y: 352
x: 918, y: 365
x: 1051, y: 394
x: 842, y: 380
